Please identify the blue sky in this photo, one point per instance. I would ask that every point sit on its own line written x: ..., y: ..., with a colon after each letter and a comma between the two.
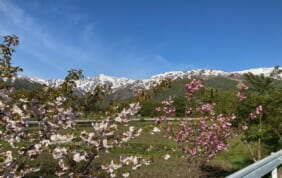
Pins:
x: 140, y: 38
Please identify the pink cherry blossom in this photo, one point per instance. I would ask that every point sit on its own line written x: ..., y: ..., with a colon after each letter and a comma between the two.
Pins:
x: 192, y: 87
x: 244, y: 127
x: 241, y: 96
x: 252, y: 116
x: 259, y: 110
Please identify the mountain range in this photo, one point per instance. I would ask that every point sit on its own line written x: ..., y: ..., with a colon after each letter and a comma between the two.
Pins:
x: 89, y: 83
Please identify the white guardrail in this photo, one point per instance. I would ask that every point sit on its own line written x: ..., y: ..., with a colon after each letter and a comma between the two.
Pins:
x: 261, y: 167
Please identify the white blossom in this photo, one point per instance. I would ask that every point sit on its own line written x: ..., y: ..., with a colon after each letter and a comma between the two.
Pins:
x: 2, y: 105
x: 100, y: 126
x: 59, y: 153
x: 126, y: 174
x: 17, y: 110
x: 105, y: 144
x: 125, y: 113
x: 57, y: 138
x: 118, y: 119
x: 89, y: 138
x: 8, y: 158
x: 62, y: 165
x: 60, y: 100
x: 110, y: 168
x: 167, y: 156
x: 155, y: 130
x: 77, y: 157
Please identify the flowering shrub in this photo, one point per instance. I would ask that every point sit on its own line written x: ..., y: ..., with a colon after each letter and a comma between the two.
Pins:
x: 201, y: 138
x: 55, y: 110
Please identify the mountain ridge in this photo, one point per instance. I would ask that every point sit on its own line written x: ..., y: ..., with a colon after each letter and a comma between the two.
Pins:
x: 89, y: 83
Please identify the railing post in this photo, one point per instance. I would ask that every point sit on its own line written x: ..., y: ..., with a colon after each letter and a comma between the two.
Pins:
x: 274, y: 171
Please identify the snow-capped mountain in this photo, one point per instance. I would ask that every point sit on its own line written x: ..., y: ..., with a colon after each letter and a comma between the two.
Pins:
x: 181, y: 74
x: 257, y: 71
x: 89, y: 83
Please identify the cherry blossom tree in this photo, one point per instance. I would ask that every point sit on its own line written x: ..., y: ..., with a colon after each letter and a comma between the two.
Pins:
x: 55, y: 109
x: 203, y: 137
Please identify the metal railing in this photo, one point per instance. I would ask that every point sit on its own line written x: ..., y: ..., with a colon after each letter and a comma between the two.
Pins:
x: 261, y: 167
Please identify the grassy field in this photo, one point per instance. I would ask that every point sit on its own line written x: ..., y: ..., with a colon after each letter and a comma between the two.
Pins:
x: 155, y: 147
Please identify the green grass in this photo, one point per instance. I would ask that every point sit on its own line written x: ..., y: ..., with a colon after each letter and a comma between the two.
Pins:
x: 154, y: 147
x: 234, y: 158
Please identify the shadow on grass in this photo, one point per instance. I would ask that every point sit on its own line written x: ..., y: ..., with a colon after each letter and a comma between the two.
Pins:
x: 214, y: 171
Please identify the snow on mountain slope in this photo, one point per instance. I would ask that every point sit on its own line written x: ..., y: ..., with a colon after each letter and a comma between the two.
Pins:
x: 257, y: 71
x: 181, y: 75
x: 89, y: 83
x: 32, y: 79
x: 209, y: 72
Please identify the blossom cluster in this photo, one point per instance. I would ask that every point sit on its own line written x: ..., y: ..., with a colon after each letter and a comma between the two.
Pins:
x: 202, y: 137
x: 252, y: 115
x: 192, y: 87
x: 134, y: 161
x: 166, y: 109
x: 258, y: 112
x: 242, y: 93
x: 123, y: 116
